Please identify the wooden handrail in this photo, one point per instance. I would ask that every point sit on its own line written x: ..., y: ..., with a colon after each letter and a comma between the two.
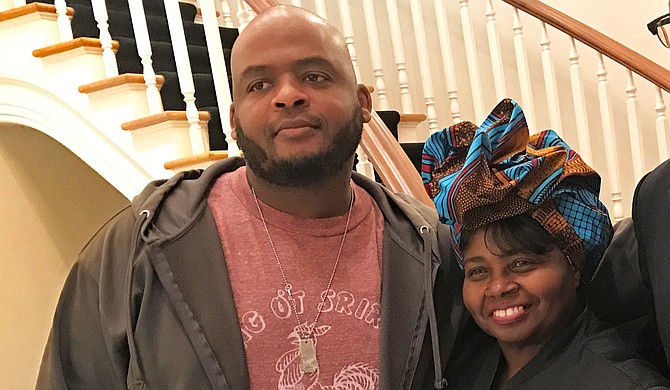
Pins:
x: 383, y: 150
x: 391, y: 162
x: 260, y: 5
x: 598, y: 41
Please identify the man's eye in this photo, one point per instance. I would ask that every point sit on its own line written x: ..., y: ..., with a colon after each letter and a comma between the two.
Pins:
x: 258, y: 86
x: 315, y: 77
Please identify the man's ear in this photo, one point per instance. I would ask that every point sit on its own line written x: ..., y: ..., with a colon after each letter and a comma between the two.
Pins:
x: 365, y: 101
x: 232, y: 121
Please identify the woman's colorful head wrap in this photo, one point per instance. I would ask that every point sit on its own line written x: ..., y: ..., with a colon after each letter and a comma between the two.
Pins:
x: 478, y: 175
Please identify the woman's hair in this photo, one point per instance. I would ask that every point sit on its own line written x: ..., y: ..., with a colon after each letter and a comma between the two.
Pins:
x: 517, y: 234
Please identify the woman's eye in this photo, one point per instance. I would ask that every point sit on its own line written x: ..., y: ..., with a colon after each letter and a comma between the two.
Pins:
x: 521, y: 265
x: 476, y: 273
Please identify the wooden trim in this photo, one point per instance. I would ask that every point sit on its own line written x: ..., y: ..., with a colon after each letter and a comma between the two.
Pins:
x: 412, y: 118
x: 196, y: 159
x: 391, y: 162
x: 259, y: 5
x: 162, y: 117
x: 600, y: 42
x: 62, y: 47
x: 31, y: 8
x: 198, y: 12
x: 126, y: 78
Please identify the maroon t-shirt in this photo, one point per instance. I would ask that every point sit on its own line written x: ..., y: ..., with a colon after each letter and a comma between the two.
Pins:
x: 347, y: 332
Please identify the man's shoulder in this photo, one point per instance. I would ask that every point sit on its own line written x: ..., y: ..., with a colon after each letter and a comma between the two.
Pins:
x: 655, y: 181
x: 113, y: 236
x: 612, y: 357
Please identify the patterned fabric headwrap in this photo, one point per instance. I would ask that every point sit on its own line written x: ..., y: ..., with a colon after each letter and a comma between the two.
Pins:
x: 479, y: 175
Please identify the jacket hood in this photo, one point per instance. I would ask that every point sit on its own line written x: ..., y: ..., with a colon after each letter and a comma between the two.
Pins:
x: 186, y: 190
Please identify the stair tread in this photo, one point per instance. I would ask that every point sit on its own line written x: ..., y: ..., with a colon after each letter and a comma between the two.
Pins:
x: 75, y: 43
x: 126, y: 78
x: 164, y: 116
x: 196, y: 159
x: 28, y: 9
x: 150, y: 7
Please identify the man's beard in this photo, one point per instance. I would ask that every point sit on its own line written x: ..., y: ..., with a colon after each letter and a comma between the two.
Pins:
x: 307, y: 170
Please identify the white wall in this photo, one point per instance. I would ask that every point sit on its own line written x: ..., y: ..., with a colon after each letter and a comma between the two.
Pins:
x: 52, y: 203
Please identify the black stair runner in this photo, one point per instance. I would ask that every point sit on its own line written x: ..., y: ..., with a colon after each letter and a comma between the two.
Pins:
x: 121, y: 30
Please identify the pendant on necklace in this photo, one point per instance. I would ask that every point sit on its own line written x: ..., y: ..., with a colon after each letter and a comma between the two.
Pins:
x: 308, y: 362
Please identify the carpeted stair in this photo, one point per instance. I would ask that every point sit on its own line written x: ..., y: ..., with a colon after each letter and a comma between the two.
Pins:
x: 121, y: 30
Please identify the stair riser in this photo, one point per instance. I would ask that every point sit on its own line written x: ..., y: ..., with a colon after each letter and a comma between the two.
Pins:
x: 123, y: 98
x: 6, y: 4
x: 20, y: 36
x: 116, y: 105
x: 412, y: 132
x: 166, y: 141
x: 83, y: 64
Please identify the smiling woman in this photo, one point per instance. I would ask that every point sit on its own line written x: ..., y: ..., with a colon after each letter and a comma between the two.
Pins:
x: 528, y: 230
x: 518, y: 293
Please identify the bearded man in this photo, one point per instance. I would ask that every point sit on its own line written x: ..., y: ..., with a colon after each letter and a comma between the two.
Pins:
x: 280, y: 270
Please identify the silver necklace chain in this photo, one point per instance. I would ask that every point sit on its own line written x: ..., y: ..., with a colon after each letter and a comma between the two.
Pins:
x: 288, y: 287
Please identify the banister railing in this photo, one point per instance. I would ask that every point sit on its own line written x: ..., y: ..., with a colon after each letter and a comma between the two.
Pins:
x: 593, y: 108
x: 598, y: 41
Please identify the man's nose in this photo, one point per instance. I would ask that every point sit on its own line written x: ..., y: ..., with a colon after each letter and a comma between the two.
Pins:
x: 289, y: 94
x: 501, y: 284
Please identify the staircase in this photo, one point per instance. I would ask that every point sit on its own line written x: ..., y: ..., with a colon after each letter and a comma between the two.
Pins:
x: 128, y: 62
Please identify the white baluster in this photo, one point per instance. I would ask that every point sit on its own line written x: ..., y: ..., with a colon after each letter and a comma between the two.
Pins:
x: 399, y: 56
x: 19, y: 3
x: 494, y: 49
x: 348, y: 32
x: 524, y: 74
x: 108, y: 57
x: 550, y: 82
x: 219, y: 75
x: 447, y: 61
x: 198, y: 144
x: 226, y: 15
x: 424, y: 64
x: 63, y: 21
x: 610, y: 139
x: 364, y: 166
x: 244, y: 14
x: 154, y: 101
x: 580, y: 105
x: 632, y: 107
x: 375, y: 52
x: 661, y: 125
x: 321, y: 8
x: 473, y: 63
